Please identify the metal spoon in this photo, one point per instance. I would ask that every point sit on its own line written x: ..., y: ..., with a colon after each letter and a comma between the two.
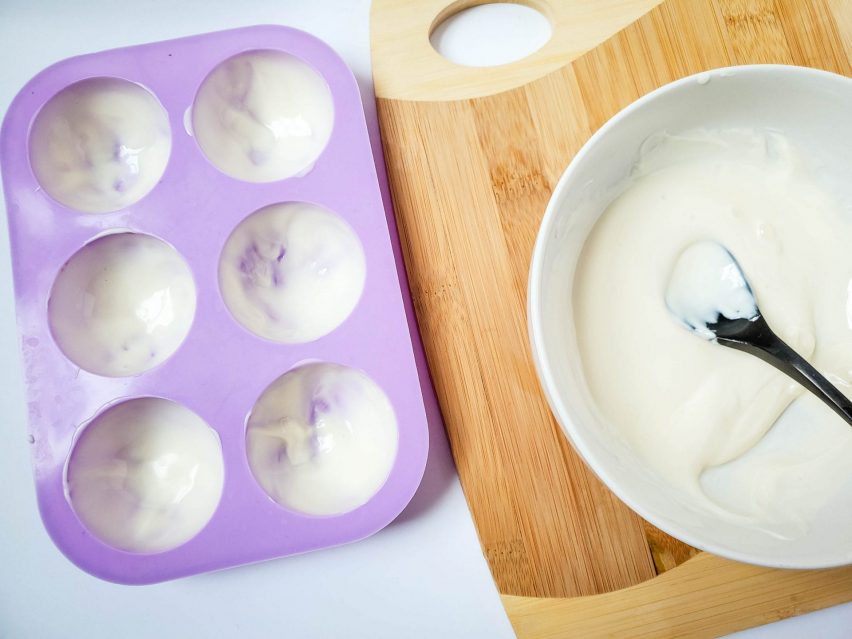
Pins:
x: 710, y: 295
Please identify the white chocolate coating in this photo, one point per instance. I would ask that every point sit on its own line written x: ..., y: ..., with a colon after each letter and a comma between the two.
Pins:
x: 322, y: 439
x: 292, y: 272
x: 122, y: 304
x: 100, y: 144
x: 146, y: 475
x: 263, y: 116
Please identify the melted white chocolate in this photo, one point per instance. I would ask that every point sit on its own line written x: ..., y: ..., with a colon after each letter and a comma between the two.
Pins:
x: 690, y: 406
x: 292, y: 272
x: 146, y: 475
x: 263, y: 116
x: 100, y: 144
x: 122, y: 304
x: 322, y: 439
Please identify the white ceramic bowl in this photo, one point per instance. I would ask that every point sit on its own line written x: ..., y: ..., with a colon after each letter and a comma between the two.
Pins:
x: 814, y: 109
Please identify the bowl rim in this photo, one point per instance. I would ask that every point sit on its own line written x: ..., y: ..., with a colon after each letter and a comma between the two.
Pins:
x: 536, y: 329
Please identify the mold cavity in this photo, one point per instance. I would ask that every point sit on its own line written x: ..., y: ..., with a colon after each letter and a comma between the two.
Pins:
x: 122, y: 304
x: 263, y: 116
x: 146, y: 475
x: 489, y: 35
x: 100, y: 145
x: 292, y: 272
x: 322, y: 439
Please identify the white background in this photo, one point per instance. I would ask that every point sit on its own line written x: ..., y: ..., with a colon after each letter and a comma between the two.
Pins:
x: 423, y: 576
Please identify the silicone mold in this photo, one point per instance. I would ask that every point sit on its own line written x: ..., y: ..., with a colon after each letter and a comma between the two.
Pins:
x: 220, y: 369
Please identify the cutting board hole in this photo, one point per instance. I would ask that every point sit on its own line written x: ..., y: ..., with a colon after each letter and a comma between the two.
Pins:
x: 489, y: 35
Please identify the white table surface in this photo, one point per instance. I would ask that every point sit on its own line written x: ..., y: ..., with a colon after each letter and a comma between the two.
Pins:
x: 423, y: 576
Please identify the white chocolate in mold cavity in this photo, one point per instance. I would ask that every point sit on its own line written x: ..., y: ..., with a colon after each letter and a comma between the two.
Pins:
x: 146, y: 475
x: 292, y: 272
x: 322, y: 439
x: 122, y: 304
x: 100, y: 144
x: 262, y: 116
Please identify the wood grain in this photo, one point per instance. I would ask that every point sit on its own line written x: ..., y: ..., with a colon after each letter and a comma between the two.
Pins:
x: 468, y: 283
x: 705, y: 597
x: 405, y: 66
x: 470, y: 178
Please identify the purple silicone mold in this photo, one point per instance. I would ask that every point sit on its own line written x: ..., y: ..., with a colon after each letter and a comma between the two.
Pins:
x: 221, y: 369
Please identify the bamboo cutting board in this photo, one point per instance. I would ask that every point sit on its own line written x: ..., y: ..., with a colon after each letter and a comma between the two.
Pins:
x: 472, y: 155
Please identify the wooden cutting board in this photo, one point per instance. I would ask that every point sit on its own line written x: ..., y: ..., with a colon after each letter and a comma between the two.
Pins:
x: 472, y: 155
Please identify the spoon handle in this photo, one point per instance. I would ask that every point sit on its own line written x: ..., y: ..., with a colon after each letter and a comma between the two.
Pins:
x: 756, y: 338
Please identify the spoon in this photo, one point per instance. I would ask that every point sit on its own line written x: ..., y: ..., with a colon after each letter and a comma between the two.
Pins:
x: 710, y: 295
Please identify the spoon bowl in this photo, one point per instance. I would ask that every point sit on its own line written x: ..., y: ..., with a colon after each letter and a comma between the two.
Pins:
x: 709, y: 294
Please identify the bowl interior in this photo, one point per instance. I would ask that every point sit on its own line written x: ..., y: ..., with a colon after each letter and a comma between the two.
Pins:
x: 810, y: 107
